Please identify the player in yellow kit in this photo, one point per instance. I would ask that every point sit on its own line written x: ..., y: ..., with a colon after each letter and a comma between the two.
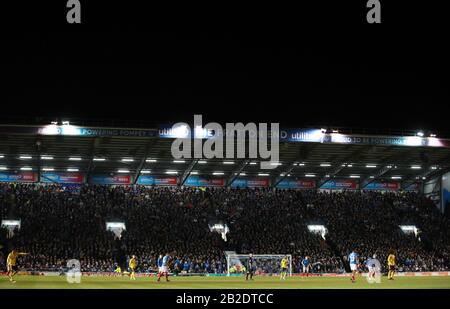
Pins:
x: 391, y: 265
x: 284, y: 268
x: 132, y: 264
x: 11, y: 264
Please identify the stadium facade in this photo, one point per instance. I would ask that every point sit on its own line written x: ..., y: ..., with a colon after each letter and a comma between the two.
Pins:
x: 310, y: 158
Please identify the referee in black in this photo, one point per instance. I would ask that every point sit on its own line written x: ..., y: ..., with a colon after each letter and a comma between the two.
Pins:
x: 250, y: 267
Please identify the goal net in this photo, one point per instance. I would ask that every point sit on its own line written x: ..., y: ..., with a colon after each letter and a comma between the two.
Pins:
x: 264, y: 264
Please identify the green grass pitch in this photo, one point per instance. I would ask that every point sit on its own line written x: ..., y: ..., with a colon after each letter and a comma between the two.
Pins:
x: 41, y: 282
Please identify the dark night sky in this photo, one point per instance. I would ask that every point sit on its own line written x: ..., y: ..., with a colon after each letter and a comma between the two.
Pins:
x: 391, y: 77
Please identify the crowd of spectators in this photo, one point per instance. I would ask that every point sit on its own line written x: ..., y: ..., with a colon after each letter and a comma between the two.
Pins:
x: 61, y: 223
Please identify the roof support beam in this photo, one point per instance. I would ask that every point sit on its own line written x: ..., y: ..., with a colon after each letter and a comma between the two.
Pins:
x: 377, y: 175
x: 235, y: 174
x: 429, y: 172
x: 149, y: 146
x: 302, y: 154
x: 339, y: 166
x: 285, y: 174
x: 387, y: 165
x: 91, y: 160
x: 188, y: 171
x: 437, y: 173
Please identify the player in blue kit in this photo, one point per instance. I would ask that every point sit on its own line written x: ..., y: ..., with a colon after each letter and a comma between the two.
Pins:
x: 306, y: 263
x: 353, y: 259
x: 163, y: 266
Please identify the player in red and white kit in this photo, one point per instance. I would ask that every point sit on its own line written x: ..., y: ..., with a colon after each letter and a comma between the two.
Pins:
x: 163, y: 267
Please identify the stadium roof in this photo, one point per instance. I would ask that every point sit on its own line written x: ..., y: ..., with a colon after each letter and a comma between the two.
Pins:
x: 23, y: 147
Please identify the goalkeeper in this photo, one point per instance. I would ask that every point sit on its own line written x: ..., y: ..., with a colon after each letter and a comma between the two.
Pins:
x: 284, y: 268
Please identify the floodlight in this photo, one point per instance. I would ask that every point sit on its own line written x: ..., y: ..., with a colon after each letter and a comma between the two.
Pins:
x: 318, y: 229
x: 11, y: 226
x: 410, y: 229
x: 116, y: 227
x: 220, y: 228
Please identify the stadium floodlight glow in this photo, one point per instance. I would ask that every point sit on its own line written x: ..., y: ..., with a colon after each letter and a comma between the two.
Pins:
x: 253, y: 163
x: 11, y: 226
x: 54, y: 122
x: 123, y: 171
x: 99, y: 159
x: 46, y: 158
x: 202, y: 162
x: 323, y: 130
x: 396, y: 177
x: 416, y: 167
x: 151, y: 160
x: 194, y: 173
x: 51, y: 129
x: 423, y: 178
x: 25, y: 157
x: 146, y: 171
x: 327, y: 176
x: 72, y: 169
x: 420, y: 133
x: 354, y: 176
x: 181, y: 131
x: 276, y: 163
x: 2, y: 156
x: 318, y: 229
x: 263, y: 174
x: 74, y: 159
x: 349, y: 165
x: 228, y: 162
x: 48, y: 169
x: 127, y: 160
x: 220, y: 228
x: 3, y: 168
x: 310, y: 175
x: 409, y: 229
x: 171, y: 172
x: 110, y: 225
x: 325, y: 164
x: 217, y: 173
x: 432, y: 135
x: 372, y: 177
x: 389, y: 166
x: 179, y: 161
x: 11, y: 223
x: 116, y: 227
x: 434, y: 167
x: 371, y: 166
x: 65, y: 123
x: 335, y: 131
x: 68, y: 129
x: 301, y: 164
x: 26, y: 168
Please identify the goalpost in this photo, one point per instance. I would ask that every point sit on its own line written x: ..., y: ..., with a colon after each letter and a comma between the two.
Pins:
x: 269, y: 264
